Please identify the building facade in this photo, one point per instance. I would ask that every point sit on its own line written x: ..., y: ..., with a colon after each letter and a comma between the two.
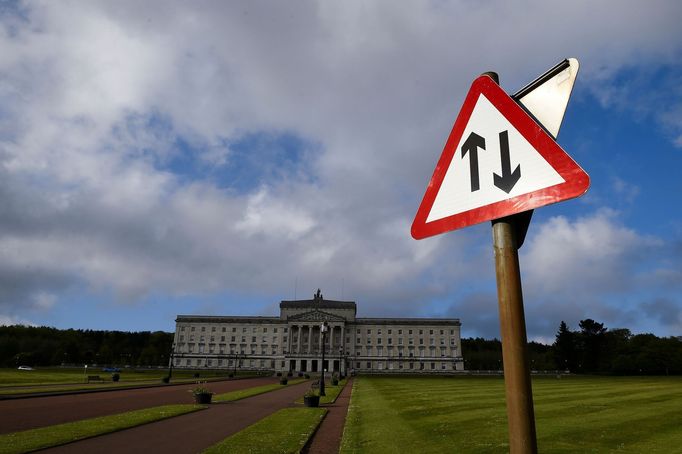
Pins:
x: 293, y: 342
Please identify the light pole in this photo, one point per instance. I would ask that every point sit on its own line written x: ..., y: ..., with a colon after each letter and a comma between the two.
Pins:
x: 323, y: 329
x: 170, y: 365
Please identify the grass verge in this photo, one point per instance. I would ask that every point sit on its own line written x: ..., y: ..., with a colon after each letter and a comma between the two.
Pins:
x: 59, y: 434
x: 331, y: 393
x: 249, y: 392
x: 285, y: 431
x: 467, y: 414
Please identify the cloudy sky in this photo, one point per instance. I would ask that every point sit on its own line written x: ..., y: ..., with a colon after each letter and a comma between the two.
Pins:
x: 164, y: 158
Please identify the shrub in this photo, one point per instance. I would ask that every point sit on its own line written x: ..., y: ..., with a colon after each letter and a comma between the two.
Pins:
x: 165, y: 379
x: 279, y: 374
x: 115, y: 377
x: 283, y: 381
x: 306, y: 376
x: 300, y: 374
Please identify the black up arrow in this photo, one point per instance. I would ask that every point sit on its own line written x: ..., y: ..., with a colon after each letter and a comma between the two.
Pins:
x: 471, y: 145
x: 508, y: 180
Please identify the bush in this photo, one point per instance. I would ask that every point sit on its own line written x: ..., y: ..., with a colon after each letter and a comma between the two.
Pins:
x: 115, y: 377
x: 230, y: 375
x: 300, y: 374
x: 306, y: 376
x: 165, y: 379
x: 279, y: 374
x: 283, y: 381
x: 290, y: 374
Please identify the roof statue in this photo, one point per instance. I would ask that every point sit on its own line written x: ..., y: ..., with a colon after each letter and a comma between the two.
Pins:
x: 318, y: 296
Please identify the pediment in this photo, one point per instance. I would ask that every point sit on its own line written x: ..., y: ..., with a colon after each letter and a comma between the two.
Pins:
x: 316, y: 316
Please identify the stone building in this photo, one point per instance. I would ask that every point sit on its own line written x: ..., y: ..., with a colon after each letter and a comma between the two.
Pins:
x: 293, y: 341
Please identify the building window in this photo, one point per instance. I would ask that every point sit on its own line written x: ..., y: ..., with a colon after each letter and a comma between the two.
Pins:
x: 433, y: 366
x: 369, y: 364
x: 369, y: 331
x: 182, y: 337
x: 452, y: 332
x: 253, y: 330
x: 224, y: 329
x: 358, y: 340
x: 182, y: 328
x: 265, y: 330
x: 431, y: 332
x: 389, y: 331
x: 400, y: 341
x: 286, y: 329
x: 213, y: 329
x: 203, y: 329
x: 421, y: 341
x: 390, y: 340
x: 358, y: 333
x: 192, y: 329
x: 400, y: 331
x: 379, y: 341
x: 378, y: 331
x: 234, y: 329
x: 421, y: 331
x: 274, y: 330
x: 243, y: 329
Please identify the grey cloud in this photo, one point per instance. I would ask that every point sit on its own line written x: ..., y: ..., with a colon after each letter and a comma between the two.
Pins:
x: 376, y: 87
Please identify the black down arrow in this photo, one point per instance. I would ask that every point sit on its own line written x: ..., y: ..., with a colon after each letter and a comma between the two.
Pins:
x: 508, y: 180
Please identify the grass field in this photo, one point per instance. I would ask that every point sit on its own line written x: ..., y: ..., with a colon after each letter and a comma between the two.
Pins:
x: 44, y: 437
x: 468, y: 415
x: 58, y: 379
x: 285, y: 431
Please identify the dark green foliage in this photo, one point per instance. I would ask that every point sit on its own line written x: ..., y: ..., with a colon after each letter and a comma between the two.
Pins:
x: 596, y: 350
x: 45, y: 346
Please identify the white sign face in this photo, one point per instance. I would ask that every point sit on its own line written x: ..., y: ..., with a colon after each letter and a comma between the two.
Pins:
x: 492, y: 162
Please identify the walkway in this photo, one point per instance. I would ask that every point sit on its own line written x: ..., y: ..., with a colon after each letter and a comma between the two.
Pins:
x: 327, y: 439
x: 30, y: 413
x: 190, y: 433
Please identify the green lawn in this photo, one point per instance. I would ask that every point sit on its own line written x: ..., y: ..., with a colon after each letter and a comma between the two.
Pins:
x: 285, y: 431
x: 58, y: 375
x: 31, y: 440
x: 331, y: 393
x: 248, y: 392
x: 57, y: 379
x: 467, y: 414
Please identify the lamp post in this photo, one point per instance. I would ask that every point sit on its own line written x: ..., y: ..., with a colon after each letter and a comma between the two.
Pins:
x: 170, y: 365
x: 323, y: 329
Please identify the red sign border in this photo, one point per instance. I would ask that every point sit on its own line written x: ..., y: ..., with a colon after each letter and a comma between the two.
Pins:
x: 576, y: 180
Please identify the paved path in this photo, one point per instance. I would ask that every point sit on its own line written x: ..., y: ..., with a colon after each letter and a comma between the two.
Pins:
x: 30, y: 413
x: 190, y: 433
x: 327, y: 439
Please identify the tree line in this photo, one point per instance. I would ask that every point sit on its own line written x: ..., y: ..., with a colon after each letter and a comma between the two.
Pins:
x: 592, y: 349
x: 45, y: 346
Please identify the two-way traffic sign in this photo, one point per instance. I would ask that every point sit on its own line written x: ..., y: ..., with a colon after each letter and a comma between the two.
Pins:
x: 497, y: 161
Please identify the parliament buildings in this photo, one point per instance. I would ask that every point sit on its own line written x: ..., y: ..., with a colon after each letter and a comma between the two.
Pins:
x: 293, y: 341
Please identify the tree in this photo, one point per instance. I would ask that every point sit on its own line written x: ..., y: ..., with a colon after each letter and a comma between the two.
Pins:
x: 565, y: 349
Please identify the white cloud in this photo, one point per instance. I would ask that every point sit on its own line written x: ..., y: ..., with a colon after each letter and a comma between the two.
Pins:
x: 95, y: 97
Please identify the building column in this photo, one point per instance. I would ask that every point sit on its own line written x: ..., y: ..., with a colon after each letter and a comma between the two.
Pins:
x: 298, y: 345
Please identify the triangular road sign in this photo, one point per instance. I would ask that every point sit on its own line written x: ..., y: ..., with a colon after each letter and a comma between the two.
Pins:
x: 497, y: 161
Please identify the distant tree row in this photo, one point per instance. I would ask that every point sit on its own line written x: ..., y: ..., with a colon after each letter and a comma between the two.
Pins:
x: 44, y: 346
x: 591, y: 350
